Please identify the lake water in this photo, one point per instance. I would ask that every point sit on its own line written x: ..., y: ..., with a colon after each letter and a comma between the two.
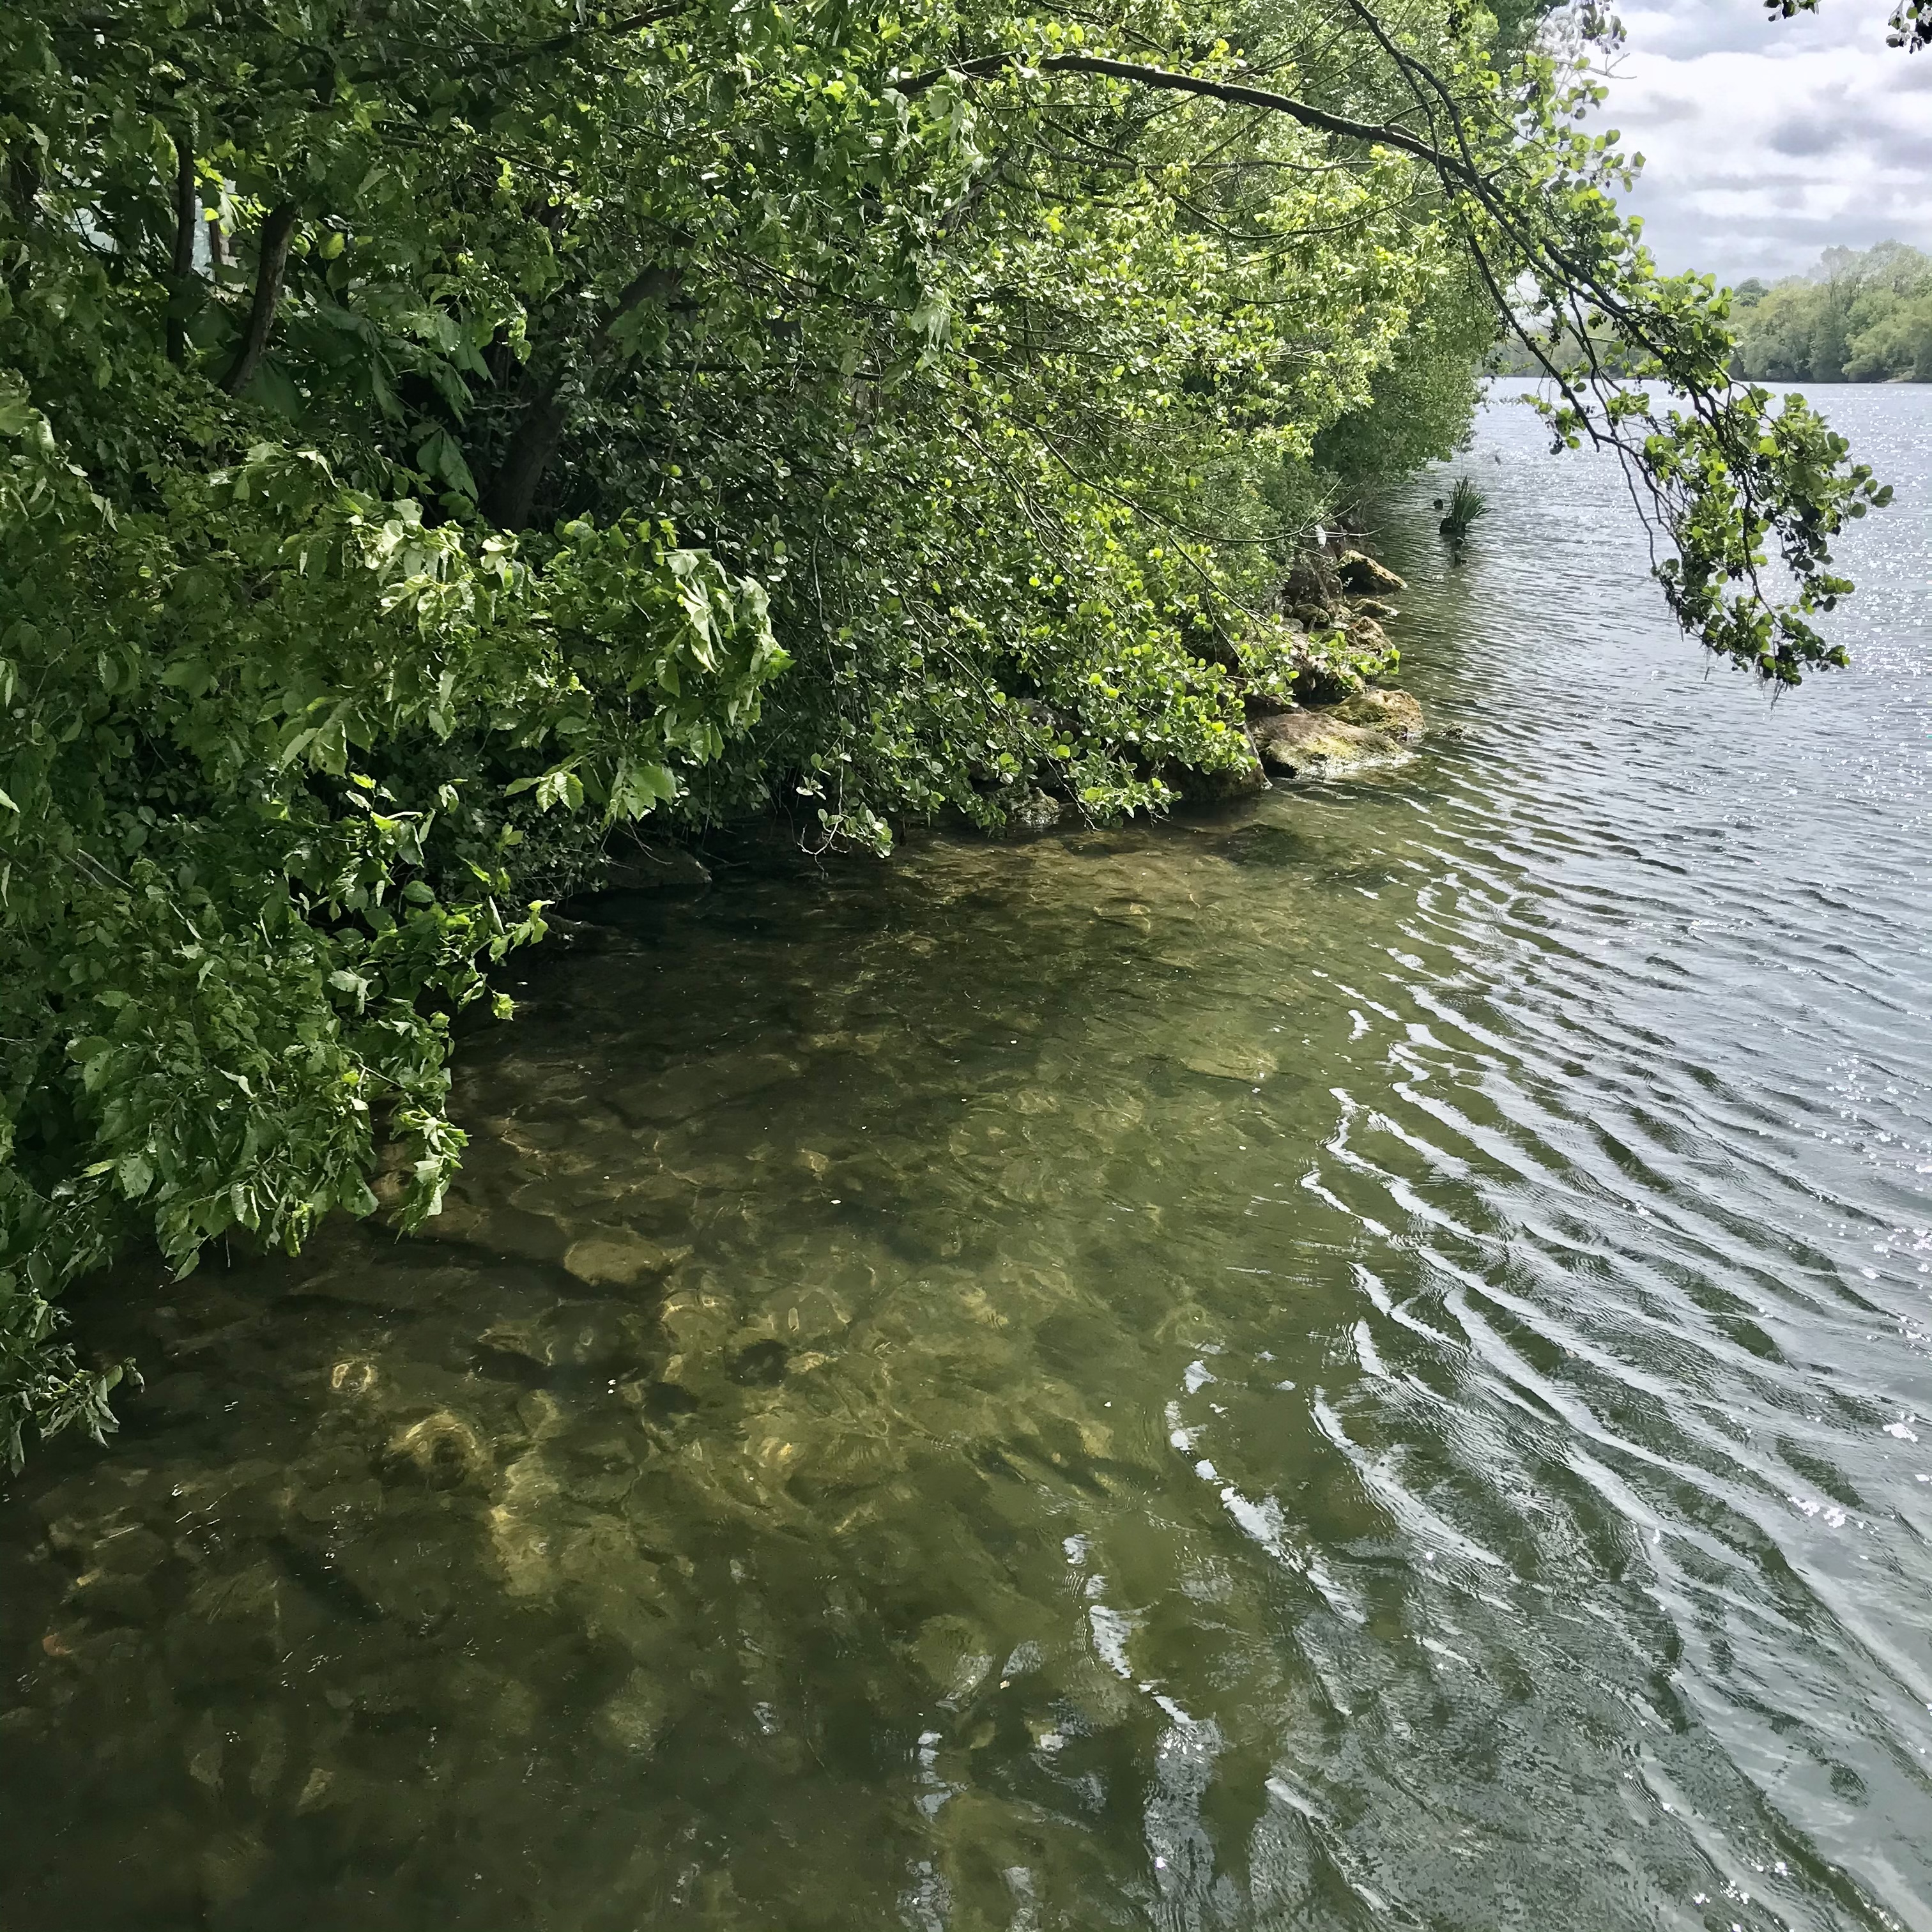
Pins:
x: 1362, y: 1362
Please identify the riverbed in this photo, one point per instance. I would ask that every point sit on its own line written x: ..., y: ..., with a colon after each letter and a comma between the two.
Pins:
x: 1360, y: 1359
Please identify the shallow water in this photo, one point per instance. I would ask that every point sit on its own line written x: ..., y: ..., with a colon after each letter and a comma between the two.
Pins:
x: 1366, y: 1361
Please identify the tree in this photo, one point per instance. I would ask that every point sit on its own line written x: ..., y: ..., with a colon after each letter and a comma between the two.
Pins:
x: 1857, y: 317
x: 434, y: 431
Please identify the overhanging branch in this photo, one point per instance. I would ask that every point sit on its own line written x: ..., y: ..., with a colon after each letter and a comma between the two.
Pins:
x: 1379, y: 134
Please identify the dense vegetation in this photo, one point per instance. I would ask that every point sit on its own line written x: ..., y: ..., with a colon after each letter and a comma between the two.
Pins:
x: 434, y: 432
x: 1855, y: 318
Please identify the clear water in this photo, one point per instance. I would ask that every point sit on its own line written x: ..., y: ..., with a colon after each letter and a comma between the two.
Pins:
x: 1363, y: 1362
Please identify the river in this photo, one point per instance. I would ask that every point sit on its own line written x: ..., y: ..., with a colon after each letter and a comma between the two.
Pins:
x: 1364, y: 1361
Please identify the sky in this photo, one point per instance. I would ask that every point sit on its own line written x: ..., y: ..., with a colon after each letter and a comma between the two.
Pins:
x: 1766, y: 141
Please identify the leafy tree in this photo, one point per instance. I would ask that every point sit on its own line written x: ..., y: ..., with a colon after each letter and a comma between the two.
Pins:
x: 1857, y: 318
x: 434, y: 431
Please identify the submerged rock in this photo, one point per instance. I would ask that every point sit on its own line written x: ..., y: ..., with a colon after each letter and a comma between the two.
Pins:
x: 445, y: 1449
x: 596, y: 1337
x: 619, y: 1257
x: 955, y: 1653
x: 762, y: 1364
x: 630, y: 866
x: 632, y: 1719
x: 1367, y: 732
x: 237, y: 1626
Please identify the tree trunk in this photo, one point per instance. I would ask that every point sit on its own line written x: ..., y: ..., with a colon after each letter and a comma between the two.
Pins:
x: 512, y: 493
x: 188, y: 212
x: 278, y: 230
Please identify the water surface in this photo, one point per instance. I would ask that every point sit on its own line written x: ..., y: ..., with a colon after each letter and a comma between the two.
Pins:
x: 1362, y: 1362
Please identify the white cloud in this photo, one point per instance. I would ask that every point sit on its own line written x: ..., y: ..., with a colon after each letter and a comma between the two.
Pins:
x: 1767, y: 140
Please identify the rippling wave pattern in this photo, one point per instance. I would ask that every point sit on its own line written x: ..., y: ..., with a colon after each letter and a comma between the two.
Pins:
x: 1363, y: 1363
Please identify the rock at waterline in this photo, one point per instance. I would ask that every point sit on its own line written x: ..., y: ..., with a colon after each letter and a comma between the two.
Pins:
x: 1365, y: 577
x: 1036, y: 812
x: 1367, y: 732
x: 1219, y: 787
x: 1366, y: 634
x: 1312, y: 588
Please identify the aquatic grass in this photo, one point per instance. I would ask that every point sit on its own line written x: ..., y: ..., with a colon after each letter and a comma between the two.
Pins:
x: 1466, y: 504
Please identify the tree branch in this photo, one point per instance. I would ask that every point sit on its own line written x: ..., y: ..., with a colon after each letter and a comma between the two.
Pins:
x: 278, y: 230
x: 1377, y: 133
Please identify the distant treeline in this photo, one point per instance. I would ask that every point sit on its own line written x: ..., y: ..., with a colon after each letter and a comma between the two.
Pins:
x: 1854, y: 318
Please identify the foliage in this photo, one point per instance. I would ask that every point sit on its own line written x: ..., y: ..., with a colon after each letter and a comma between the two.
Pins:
x: 432, y: 431
x: 1855, y: 318
x: 1422, y: 399
x: 1910, y: 26
x: 231, y: 950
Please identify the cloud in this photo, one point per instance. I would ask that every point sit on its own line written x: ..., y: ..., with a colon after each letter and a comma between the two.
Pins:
x: 1661, y: 110
x: 1766, y: 141
x: 1804, y: 135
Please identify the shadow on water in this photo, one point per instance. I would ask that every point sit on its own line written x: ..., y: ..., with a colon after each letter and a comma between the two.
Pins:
x: 1363, y: 1362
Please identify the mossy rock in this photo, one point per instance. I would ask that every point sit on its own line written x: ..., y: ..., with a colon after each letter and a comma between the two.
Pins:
x: 1394, y: 713
x: 1366, y: 634
x: 1369, y: 730
x: 1362, y: 574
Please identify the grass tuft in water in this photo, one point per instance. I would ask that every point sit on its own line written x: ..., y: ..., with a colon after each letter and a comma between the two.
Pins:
x: 1466, y: 504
